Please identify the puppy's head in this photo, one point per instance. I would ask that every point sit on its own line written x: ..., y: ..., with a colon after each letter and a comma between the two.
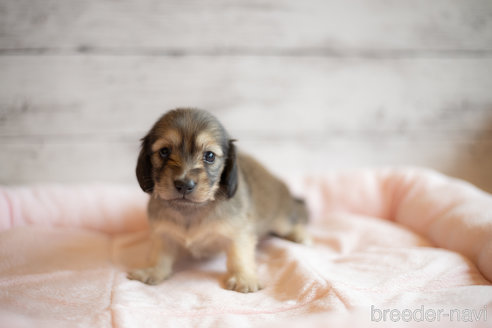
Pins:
x: 187, y: 158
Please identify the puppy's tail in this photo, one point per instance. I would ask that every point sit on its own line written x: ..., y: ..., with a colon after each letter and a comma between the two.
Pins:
x: 299, y: 213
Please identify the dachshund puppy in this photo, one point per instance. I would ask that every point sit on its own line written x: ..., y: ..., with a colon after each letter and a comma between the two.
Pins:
x: 207, y: 198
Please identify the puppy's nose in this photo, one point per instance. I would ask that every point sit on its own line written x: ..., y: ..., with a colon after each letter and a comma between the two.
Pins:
x: 184, y: 186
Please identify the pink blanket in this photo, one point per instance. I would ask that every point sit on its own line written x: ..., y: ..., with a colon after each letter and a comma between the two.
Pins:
x: 395, y: 245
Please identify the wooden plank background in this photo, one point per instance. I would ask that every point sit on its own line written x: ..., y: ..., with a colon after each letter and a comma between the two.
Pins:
x: 306, y: 86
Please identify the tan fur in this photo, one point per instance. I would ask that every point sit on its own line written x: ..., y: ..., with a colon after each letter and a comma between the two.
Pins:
x: 169, y: 137
x: 212, y: 218
x: 206, y: 140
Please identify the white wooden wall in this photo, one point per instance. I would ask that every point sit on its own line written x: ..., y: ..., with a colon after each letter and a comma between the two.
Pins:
x: 306, y: 86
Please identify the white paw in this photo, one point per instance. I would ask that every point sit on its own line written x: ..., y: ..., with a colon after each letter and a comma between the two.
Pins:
x: 149, y: 276
x: 243, y: 283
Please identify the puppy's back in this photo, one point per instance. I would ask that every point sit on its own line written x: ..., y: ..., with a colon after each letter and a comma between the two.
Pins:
x: 271, y: 201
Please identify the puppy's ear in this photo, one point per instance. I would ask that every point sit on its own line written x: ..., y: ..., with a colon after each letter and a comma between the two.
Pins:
x: 144, y: 167
x: 229, y: 177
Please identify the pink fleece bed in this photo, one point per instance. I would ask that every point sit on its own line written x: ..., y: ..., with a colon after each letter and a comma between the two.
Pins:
x: 389, y: 245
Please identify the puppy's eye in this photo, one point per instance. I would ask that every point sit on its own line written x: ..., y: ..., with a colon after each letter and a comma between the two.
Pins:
x: 209, y: 157
x: 164, y: 152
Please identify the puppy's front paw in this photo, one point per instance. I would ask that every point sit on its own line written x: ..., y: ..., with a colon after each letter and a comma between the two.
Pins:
x: 149, y: 276
x: 243, y: 283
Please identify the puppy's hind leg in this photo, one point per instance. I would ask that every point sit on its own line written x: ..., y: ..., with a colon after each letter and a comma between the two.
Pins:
x: 292, y: 226
x: 162, y: 256
x: 298, y: 234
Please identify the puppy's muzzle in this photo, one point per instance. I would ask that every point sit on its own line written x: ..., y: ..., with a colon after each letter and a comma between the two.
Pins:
x: 185, y: 186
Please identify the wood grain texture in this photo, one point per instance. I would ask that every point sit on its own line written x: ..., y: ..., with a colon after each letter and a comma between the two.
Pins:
x: 325, y: 27
x: 283, y: 97
x: 333, y: 113
x: 305, y: 86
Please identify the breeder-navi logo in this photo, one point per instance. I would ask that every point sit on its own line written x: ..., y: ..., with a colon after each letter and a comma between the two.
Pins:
x: 428, y: 315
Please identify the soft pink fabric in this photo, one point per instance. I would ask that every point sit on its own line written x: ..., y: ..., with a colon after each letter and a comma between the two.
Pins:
x: 390, y: 239
x: 107, y: 208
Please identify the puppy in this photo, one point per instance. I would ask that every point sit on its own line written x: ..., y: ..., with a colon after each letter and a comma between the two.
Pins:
x: 207, y: 198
